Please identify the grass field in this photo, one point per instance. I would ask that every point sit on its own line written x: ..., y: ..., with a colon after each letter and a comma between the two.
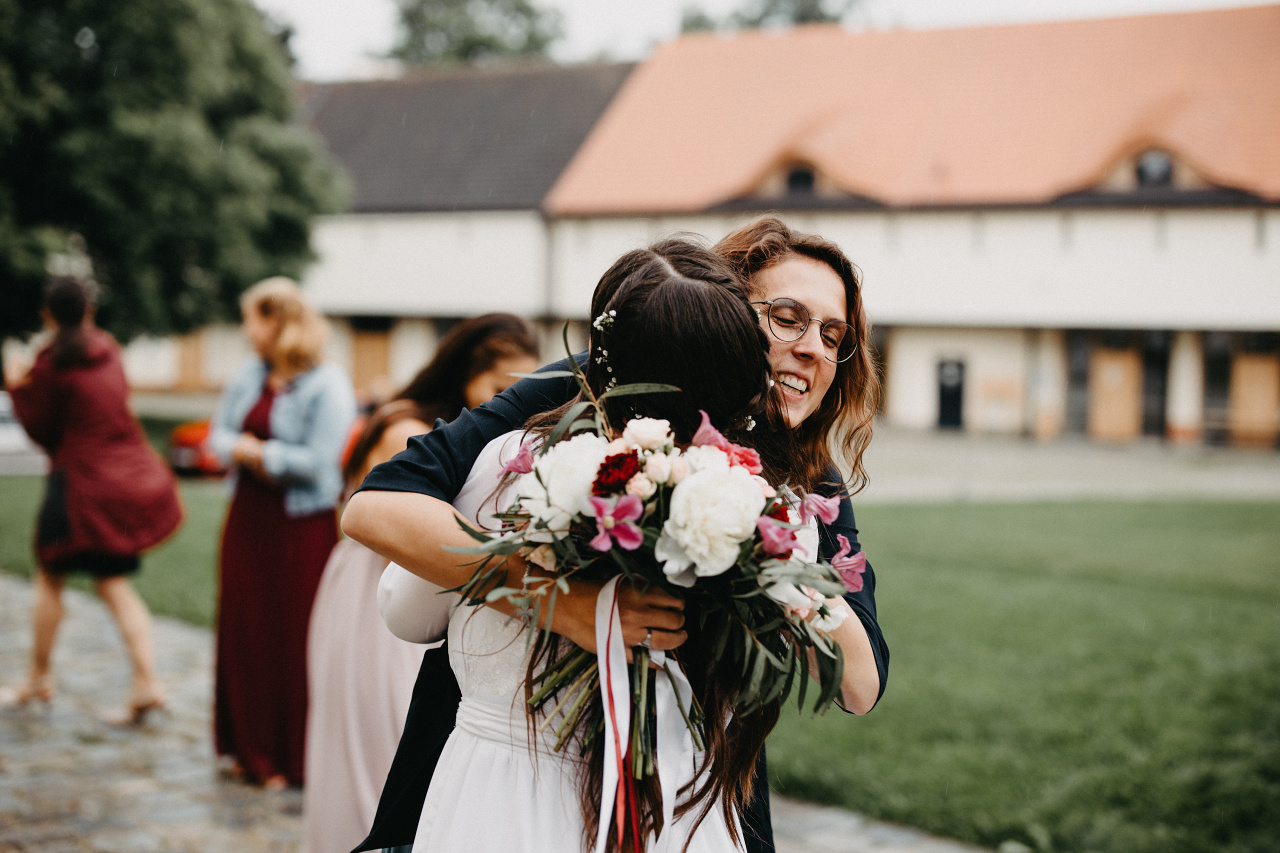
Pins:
x: 1073, y: 677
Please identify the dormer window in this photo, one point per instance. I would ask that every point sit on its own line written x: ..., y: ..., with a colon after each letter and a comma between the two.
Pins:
x: 800, y: 181
x: 1154, y: 169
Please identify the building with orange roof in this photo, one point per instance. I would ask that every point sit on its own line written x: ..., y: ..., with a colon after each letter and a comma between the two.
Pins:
x: 1066, y: 226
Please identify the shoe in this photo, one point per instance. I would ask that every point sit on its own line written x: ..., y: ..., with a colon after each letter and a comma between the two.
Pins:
x: 35, y: 690
x: 137, y: 711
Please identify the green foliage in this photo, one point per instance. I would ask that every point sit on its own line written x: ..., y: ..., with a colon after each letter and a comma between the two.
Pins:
x: 768, y: 13
x: 158, y: 131
x: 441, y: 32
x: 781, y: 13
x: 1076, y: 677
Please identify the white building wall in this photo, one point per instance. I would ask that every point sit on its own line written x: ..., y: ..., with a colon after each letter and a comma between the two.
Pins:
x: 1095, y: 268
x: 223, y: 349
x: 151, y: 362
x: 429, y: 264
x: 413, y: 342
x: 995, y: 376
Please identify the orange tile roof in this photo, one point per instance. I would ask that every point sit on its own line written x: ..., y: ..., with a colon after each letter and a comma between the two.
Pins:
x: 1008, y: 114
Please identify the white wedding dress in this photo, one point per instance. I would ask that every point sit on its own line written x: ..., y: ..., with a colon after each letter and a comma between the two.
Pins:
x: 498, y: 785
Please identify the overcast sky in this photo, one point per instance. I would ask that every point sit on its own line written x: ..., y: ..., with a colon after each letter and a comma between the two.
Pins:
x: 335, y: 39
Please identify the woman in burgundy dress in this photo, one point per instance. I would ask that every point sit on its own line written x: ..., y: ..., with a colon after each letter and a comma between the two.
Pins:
x: 108, y: 497
x: 282, y: 422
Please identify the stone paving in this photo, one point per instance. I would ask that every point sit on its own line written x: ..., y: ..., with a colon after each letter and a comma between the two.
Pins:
x: 72, y: 783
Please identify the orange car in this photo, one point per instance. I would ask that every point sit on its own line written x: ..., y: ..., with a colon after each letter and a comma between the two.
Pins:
x: 190, y: 453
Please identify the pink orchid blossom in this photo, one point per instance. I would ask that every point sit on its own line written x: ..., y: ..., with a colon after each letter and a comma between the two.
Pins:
x: 522, y: 462
x: 709, y: 435
x: 825, y: 509
x: 614, y: 523
x: 849, y: 566
x: 778, y: 540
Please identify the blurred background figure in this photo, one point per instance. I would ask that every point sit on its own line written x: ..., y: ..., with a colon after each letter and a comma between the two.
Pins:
x: 361, y: 677
x: 108, y: 496
x: 282, y: 423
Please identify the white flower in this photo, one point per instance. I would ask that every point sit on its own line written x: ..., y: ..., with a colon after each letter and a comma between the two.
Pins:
x: 618, y: 445
x: 658, y: 467
x: 641, y: 486
x: 559, y: 486
x: 679, y: 470
x: 706, y: 458
x: 648, y: 433
x: 713, y: 511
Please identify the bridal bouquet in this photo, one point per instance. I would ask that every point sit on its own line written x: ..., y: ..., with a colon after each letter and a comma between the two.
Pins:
x: 596, y: 503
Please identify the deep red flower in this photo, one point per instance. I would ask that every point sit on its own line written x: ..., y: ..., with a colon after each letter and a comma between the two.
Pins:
x: 614, y: 473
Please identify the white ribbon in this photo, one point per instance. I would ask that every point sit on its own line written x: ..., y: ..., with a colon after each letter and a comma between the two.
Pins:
x: 675, y: 744
x: 615, y: 693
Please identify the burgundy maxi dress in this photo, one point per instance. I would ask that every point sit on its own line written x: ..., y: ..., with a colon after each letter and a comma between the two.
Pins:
x: 271, y: 566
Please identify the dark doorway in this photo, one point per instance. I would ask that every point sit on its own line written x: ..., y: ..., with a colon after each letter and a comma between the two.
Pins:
x: 1155, y: 381
x: 950, y: 394
x: 1077, y: 381
x: 1217, y: 386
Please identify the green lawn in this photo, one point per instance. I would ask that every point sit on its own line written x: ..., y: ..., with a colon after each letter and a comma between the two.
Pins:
x: 1075, y: 677
x: 178, y: 578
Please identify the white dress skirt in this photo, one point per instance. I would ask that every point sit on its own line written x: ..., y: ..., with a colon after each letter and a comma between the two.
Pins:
x: 499, y: 785
x: 359, y: 679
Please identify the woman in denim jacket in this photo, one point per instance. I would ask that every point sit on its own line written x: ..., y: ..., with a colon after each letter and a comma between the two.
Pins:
x: 282, y: 423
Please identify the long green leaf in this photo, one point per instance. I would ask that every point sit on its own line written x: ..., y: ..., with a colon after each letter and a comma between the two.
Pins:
x: 638, y: 388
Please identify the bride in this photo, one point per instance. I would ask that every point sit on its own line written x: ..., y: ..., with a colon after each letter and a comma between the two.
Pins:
x: 679, y: 317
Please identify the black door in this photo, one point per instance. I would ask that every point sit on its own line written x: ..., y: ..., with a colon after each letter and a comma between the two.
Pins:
x: 950, y: 394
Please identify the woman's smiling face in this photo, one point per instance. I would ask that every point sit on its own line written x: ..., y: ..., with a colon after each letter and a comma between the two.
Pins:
x: 800, y: 367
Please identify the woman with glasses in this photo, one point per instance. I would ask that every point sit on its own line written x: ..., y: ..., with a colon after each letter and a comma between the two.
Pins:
x: 831, y: 392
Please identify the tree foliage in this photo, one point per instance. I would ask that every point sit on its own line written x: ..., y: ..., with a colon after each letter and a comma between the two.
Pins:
x: 155, y: 133
x: 768, y: 13
x: 439, y: 32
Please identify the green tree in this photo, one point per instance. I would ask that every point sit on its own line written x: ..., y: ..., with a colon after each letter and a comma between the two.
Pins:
x: 694, y: 19
x: 781, y: 13
x: 437, y: 32
x: 156, y: 134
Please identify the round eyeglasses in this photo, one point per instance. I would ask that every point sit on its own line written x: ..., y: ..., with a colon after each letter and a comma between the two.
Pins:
x: 789, y: 320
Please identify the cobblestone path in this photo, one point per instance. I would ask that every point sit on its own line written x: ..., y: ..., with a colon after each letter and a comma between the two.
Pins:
x: 72, y: 783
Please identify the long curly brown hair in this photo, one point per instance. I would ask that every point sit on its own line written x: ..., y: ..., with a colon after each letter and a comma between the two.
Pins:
x: 840, y: 430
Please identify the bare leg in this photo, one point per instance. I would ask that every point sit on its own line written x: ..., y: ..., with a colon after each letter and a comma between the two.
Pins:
x: 46, y: 617
x: 132, y: 616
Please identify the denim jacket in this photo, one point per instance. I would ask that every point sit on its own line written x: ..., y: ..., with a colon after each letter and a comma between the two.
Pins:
x: 310, y: 420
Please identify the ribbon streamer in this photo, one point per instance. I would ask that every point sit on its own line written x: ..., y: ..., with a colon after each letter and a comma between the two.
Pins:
x: 675, y: 744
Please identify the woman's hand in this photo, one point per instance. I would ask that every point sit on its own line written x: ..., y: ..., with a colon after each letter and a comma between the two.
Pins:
x: 247, y: 453
x: 17, y: 370
x: 654, y: 614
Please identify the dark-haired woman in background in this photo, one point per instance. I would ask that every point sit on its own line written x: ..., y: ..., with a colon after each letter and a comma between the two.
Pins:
x: 108, y: 496
x: 360, y: 677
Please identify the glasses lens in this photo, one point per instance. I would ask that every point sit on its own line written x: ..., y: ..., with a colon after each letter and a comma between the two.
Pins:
x: 788, y: 319
x: 839, y: 340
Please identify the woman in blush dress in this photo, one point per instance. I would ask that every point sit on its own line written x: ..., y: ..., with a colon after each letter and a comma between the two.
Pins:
x: 360, y: 677
x: 108, y: 496
x: 282, y: 422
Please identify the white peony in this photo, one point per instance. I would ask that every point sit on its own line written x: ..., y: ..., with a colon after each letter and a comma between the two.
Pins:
x: 713, y: 511
x: 648, y: 433
x: 559, y: 486
x: 706, y: 458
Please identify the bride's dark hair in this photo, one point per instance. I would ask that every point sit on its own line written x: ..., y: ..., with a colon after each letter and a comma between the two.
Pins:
x: 677, y: 314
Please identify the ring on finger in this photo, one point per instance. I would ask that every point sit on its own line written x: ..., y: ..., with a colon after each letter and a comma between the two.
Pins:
x: 648, y: 637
